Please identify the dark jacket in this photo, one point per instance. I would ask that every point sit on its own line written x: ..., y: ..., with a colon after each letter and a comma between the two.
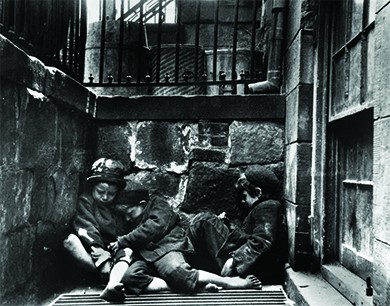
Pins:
x: 255, y: 245
x: 157, y: 233
x: 94, y: 224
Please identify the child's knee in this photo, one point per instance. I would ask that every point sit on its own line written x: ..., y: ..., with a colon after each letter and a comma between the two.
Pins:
x: 72, y: 242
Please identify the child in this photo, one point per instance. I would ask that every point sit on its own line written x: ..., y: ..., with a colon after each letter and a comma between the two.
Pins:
x: 257, y: 247
x: 95, y: 224
x: 159, y: 240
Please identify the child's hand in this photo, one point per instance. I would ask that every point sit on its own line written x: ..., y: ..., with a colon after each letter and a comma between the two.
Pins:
x: 114, y: 247
x: 99, y: 255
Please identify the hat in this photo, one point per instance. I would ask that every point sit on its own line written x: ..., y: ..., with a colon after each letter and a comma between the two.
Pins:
x: 134, y: 195
x: 107, y: 170
x: 264, y: 178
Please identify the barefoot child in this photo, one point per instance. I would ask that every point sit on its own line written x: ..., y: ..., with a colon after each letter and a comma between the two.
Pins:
x: 257, y: 247
x: 159, y: 240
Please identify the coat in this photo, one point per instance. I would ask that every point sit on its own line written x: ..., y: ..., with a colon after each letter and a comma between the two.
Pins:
x: 158, y: 232
x: 94, y: 224
x: 255, y: 246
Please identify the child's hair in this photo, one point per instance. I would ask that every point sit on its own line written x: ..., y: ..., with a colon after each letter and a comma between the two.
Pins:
x: 134, y: 196
x: 259, y: 176
x: 107, y: 170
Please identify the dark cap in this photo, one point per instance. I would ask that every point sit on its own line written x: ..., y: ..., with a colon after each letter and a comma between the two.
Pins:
x: 264, y: 178
x: 107, y: 170
x: 133, y: 196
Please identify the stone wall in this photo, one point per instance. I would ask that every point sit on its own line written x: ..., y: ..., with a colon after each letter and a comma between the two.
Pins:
x: 381, y: 213
x: 298, y: 86
x: 194, y: 163
x: 45, y: 135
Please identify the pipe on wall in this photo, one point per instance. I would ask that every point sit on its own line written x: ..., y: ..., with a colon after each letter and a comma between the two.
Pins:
x: 273, y: 82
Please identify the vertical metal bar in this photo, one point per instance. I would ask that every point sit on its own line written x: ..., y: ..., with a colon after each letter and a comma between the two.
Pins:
x: 2, y: 15
x: 177, y: 55
x: 253, y: 41
x: 64, y: 28
x: 100, y: 9
x: 77, y: 55
x: 159, y: 33
x: 22, y: 20
x: 196, y: 40
x: 120, y: 51
x: 15, y: 18
x: 102, y: 42
x: 234, y: 54
x: 83, y: 36
x: 72, y: 35
x: 140, y: 36
x: 8, y: 16
x: 57, y: 29
x: 215, y: 44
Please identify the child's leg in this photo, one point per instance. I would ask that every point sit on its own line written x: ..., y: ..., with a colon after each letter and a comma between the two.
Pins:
x: 140, y: 277
x: 182, y: 277
x: 114, y: 290
x: 76, y: 249
x: 229, y: 282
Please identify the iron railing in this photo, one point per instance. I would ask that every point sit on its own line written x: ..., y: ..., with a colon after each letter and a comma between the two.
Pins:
x: 53, y: 31
x: 211, y: 46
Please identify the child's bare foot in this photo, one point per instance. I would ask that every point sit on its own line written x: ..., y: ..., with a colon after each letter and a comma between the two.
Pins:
x: 211, y: 288
x: 249, y: 282
x: 113, y: 293
x: 254, y: 282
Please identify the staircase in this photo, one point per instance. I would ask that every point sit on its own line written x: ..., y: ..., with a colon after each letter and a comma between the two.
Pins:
x: 152, y: 10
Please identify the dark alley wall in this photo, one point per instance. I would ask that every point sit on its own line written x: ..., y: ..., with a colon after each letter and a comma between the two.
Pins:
x: 46, y: 134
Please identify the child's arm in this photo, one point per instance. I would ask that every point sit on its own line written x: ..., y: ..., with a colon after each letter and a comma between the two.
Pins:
x: 159, y: 221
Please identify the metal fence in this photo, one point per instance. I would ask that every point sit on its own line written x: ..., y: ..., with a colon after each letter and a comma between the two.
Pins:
x: 53, y: 31
x: 210, y: 47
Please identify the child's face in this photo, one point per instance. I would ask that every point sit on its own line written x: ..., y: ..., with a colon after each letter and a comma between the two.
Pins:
x: 248, y: 199
x: 133, y: 213
x: 104, y: 193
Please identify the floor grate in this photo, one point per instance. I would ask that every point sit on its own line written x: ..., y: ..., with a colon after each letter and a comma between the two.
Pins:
x: 224, y: 297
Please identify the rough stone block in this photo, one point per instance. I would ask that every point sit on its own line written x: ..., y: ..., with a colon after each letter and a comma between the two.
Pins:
x: 298, y: 173
x: 219, y: 141
x: 209, y: 155
x: 38, y: 130
x: 8, y: 122
x: 211, y: 186
x: 163, y: 184
x: 115, y: 141
x: 18, y: 67
x: 256, y: 142
x: 213, y: 128
x: 164, y: 145
x: 15, y: 188
x: 14, y: 248
x: 299, y: 114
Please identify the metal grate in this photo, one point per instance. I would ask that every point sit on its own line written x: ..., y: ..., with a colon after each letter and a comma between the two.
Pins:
x: 224, y: 297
